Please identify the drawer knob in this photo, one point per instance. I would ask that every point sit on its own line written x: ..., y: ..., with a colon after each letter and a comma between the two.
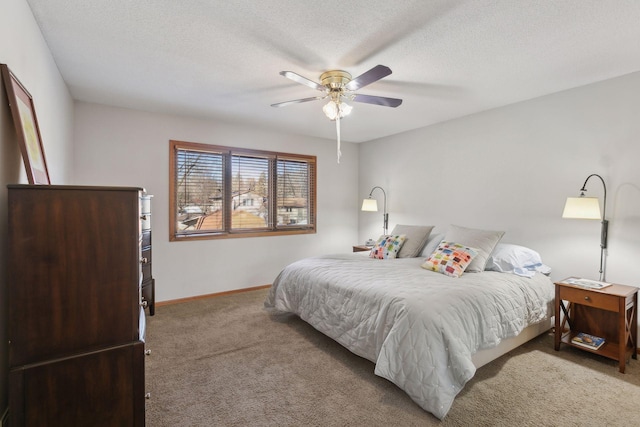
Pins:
x: 587, y: 298
x: 147, y: 396
x: 143, y: 260
x: 143, y: 217
x: 147, y: 352
x: 144, y: 304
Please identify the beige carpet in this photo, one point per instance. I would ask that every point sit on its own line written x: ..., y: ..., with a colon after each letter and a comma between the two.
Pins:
x: 224, y: 361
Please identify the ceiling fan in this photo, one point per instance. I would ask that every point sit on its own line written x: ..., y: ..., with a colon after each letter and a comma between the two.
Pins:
x: 338, y: 86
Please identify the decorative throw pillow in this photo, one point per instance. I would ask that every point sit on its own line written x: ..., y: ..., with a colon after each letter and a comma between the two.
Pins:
x: 483, y: 240
x: 417, y: 236
x: 450, y: 258
x: 387, y: 246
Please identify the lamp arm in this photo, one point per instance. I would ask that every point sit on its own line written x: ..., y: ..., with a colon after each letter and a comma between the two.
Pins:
x: 386, y: 215
x: 604, y: 202
x: 605, y: 223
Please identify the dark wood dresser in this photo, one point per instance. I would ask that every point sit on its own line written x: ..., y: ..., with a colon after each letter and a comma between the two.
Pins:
x: 76, y: 270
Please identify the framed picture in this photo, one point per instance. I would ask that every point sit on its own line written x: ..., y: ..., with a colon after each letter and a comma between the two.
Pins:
x: 24, y: 118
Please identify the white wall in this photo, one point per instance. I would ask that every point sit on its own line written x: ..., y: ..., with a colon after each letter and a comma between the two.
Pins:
x: 512, y: 168
x: 125, y: 147
x: 23, y: 49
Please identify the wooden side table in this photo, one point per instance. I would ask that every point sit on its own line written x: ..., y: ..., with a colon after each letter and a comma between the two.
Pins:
x: 609, y: 313
x: 361, y: 248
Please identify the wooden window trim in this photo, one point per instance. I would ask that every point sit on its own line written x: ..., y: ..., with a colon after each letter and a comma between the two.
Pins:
x: 228, y: 152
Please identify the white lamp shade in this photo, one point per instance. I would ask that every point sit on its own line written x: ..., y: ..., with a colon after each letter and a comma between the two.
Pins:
x: 370, y: 205
x: 345, y: 109
x: 582, y: 208
x: 334, y: 110
x: 330, y: 110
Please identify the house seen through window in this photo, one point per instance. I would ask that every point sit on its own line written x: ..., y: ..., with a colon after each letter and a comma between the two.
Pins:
x: 219, y: 192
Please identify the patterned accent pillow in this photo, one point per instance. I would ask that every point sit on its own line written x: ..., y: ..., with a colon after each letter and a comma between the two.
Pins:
x: 387, y: 246
x: 450, y: 259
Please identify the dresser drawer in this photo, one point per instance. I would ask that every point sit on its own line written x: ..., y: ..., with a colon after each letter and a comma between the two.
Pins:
x: 99, y: 388
x: 145, y: 262
x: 149, y: 294
x: 147, y: 290
x: 145, y: 204
x: 590, y: 298
x: 145, y: 221
x: 146, y: 238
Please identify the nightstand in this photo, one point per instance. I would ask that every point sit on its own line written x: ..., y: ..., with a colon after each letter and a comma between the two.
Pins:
x: 361, y: 248
x: 609, y: 313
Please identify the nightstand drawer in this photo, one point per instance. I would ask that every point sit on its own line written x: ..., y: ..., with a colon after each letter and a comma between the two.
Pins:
x: 590, y: 298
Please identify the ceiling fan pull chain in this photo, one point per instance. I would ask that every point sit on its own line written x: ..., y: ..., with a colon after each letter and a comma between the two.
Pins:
x: 338, y: 132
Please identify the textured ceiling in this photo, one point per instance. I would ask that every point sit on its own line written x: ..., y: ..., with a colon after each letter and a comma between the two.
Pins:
x: 221, y: 59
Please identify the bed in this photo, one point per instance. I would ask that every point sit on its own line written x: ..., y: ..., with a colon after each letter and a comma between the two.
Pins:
x: 425, y: 331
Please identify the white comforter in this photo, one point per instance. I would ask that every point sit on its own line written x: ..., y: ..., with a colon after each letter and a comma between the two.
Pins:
x: 420, y: 328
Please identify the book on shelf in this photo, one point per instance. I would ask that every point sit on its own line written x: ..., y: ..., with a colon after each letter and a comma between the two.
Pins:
x: 587, y: 341
x: 586, y: 283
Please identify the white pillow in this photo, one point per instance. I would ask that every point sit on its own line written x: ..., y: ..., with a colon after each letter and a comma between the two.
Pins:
x: 417, y: 236
x: 432, y: 243
x: 482, y: 240
x: 515, y: 259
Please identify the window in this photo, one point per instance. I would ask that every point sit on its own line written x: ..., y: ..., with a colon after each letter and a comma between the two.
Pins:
x: 220, y: 192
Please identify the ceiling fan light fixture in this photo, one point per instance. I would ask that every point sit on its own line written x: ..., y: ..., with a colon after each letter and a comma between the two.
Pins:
x: 345, y: 109
x: 334, y: 110
x: 330, y: 110
x: 338, y: 85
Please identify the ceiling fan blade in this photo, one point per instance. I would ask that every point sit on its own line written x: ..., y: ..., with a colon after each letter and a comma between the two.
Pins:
x: 378, y: 100
x: 297, y: 101
x: 302, y: 80
x: 368, y: 77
